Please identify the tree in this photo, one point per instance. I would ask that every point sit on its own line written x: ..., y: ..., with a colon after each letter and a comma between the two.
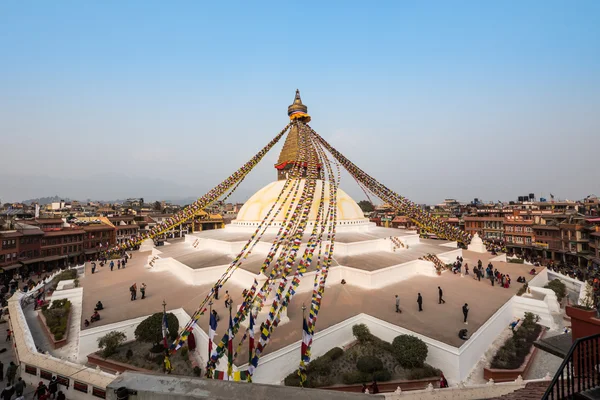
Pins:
x: 157, y: 206
x: 559, y: 289
x: 150, y: 329
x: 110, y: 342
x: 366, y: 206
x: 361, y: 333
x: 410, y: 351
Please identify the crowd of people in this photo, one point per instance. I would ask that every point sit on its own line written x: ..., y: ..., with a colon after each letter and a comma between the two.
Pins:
x: 121, y: 262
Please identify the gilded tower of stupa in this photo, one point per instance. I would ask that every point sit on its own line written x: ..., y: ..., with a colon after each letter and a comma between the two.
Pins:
x: 290, y: 154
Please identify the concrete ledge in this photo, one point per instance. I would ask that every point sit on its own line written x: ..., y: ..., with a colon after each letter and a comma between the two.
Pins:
x: 386, y: 387
x: 115, y: 366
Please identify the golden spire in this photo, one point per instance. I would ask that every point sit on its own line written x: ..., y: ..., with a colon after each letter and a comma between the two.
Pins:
x: 290, y: 154
x: 298, y: 110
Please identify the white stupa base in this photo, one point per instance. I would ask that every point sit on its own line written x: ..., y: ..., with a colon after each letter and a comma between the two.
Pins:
x: 147, y: 245
x: 477, y: 245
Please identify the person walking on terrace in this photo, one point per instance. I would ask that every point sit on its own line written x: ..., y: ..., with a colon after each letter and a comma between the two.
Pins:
x: 441, y: 295
x: 420, y: 302
x: 398, y: 310
x: 465, y: 310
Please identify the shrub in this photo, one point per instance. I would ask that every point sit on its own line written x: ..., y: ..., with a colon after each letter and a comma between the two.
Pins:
x: 66, y: 275
x: 184, y: 352
x: 197, y: 371
x: 513, y: 352
x: 334, y: 353
x: 382, y: 375
x: 57, y: 316
x: 361, y: 333
x: 587, y: 301
x: 559, y: 289
x: 421, y: 373
x: 150, y: 329
x: 522, y: 289
x: 76, y: 283
x: 110, y: 342
x: 383, y: 345
x: 410, y: 351
x: 515, y: 260
x: 352, y: 377
x: 319, y: 366
x: 369, y: 364
x: 129, y: 354
x: 292, y: 379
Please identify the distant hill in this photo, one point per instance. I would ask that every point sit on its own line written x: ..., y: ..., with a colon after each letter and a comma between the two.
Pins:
x: 45, y: 200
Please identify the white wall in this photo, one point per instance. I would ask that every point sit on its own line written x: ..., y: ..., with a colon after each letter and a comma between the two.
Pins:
x: 523, y: 304
x: 274, y: 367
x: 456, y: 363
x: 353, y: 276
x: 475, y: 347
x: 575, y: 288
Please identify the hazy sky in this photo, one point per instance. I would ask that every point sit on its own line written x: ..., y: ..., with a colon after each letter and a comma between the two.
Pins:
x: 460, y: 99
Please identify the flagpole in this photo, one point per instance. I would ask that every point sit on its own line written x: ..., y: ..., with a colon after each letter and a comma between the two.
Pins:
x: 210, y: 304
x: 230, y: 346
x: 301, y: 370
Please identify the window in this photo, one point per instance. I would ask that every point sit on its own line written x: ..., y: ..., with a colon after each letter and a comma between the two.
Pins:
x: 528, y: 240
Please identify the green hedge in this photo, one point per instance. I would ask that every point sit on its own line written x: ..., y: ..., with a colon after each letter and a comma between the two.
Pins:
x: 334, y: 353
x: 369, y: 364
x: 57, y: 317
x: 515, y: 260
x: 350, y: 378
x: 427, y: 371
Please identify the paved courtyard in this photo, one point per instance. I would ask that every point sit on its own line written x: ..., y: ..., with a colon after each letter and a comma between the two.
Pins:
x: 441, y: 322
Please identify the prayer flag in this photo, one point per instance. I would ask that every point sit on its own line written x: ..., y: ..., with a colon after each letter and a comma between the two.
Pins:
x: 165, y: 330
x: 212, y: 331
x: 230, y: 347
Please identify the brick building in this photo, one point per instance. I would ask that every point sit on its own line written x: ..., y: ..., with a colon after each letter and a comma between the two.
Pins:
x: 518, y: 232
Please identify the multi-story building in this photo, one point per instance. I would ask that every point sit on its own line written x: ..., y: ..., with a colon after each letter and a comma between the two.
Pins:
x: 62, y: 247
x: 488, y: 227
x: 9, y: 251
x: 518, y: 232
x: 126, y: 227
x: 547, y: 240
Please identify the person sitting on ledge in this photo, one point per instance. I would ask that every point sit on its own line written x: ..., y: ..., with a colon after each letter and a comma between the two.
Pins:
x: 463, y: 334
x: 532, y: 272
x: 99, y: 306
x: 95, y: 317
x: 86, y: 323
x: 343, y: 282
x: 514, y: 324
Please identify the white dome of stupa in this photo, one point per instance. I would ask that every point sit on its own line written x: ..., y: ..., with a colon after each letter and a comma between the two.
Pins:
x: 257, y: 207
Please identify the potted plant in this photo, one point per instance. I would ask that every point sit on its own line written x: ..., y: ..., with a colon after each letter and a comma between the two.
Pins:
x: 585, y: 309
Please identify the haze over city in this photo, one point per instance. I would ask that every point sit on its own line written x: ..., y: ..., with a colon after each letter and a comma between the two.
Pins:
x: 114, y: 100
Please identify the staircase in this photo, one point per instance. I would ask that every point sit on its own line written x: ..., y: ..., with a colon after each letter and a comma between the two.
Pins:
x: 439, y: 264
x: 396, y: 243
x: 578, y: 377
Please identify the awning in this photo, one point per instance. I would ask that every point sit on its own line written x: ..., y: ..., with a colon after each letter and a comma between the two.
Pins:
x: 32, y: 260
x: 13, y: 266
x: 558, y: 345
x: 54, y: 258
